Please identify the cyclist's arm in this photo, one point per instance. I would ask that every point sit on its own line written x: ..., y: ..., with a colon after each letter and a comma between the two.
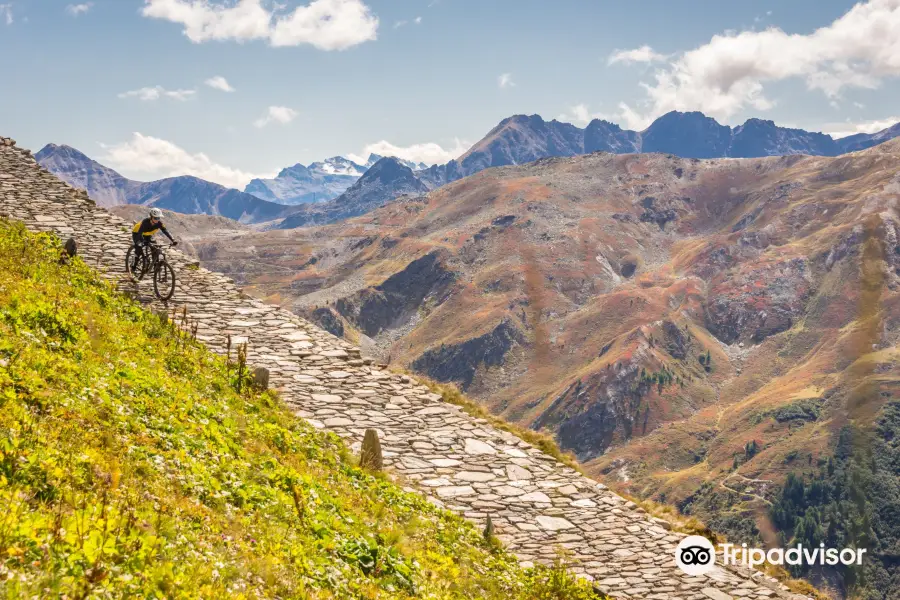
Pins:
x: 166, y: 231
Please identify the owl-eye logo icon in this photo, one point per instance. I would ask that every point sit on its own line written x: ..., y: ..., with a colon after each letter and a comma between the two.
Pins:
x: 695, y: 555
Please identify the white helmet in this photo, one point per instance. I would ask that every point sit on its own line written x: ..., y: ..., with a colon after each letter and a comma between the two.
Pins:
x: 155, y: 213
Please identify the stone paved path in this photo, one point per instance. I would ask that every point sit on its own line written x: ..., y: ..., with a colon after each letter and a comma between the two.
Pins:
x: 460, y: 462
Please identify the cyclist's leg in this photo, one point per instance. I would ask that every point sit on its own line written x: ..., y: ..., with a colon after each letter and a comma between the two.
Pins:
x: 138, y: 248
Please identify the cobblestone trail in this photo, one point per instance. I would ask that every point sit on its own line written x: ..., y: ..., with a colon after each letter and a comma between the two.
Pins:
x: 458, y: 461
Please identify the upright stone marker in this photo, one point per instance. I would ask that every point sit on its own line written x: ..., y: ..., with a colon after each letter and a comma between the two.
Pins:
x: 261, y: 378
x: 370, y: 455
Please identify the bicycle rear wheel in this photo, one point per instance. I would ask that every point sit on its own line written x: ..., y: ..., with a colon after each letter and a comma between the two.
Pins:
x: 136, y: 266
x: 164, y: 281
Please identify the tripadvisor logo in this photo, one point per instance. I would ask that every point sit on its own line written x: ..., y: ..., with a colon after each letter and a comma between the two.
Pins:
x: 696, y: 555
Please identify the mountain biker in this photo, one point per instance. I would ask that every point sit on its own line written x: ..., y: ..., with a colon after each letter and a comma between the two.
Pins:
x: 143, y: 232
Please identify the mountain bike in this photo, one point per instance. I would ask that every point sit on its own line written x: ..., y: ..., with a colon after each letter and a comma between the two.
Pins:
x: 152, y: 260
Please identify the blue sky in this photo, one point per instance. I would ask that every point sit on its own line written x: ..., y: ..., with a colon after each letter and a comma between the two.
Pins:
x: 125, y: 80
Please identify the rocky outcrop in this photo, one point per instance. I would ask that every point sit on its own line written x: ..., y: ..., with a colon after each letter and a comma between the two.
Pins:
x: 592, y: 411
x: 328, y: 320
x: 390, y: 304
x: 460, y: 363
x: 759, y: 302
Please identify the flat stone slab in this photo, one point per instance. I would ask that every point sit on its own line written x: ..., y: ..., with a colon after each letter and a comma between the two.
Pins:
x: 431, y: 410
x: 477, y: 447
x: 455, y: 491
x: 553, y: 523
x: 329, y: 398
x: 474, y: 476
x: 535, y: 497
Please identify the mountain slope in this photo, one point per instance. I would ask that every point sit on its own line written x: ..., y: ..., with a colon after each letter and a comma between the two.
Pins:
x: 695, y: 331
x: 137, y: 464
x: 104, y: 186
x: 185, y: 194
x: 384, y: 181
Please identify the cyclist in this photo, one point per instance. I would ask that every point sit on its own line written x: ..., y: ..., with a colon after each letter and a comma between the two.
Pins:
x: 143, y: 232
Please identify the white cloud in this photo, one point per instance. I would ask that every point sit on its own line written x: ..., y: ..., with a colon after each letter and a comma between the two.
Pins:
x: 219, y: 83
x: 77, y: 9
x: 429, y: 153
x: 624, y: 116
x: 729, y: 73
x: 505, y: 81
x: 839, y: 130
x: 579, y: 115
x: 418, y: 20
x: 325, y: 24
x: 276, y: 114
x: 145, y: 157
x: 644, y: 54
x: 400, y: 24
x: 6, y: 13
x: 149, y: 94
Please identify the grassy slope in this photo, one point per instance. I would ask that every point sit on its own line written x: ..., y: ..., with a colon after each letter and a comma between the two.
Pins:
x: 130, y: 467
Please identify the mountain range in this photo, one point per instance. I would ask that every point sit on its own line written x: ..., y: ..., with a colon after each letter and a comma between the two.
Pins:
x: 184, y: 194
x: 336, y: 188
x: 525, y: 138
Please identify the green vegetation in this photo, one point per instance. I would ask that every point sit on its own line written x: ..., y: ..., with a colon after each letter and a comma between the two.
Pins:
x: 852, y: 501
x: 130, y: 466
x: 660, y: 379
x: 800, y: 411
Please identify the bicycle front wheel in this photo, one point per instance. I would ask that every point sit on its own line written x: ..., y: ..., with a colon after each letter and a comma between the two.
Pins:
x: 164, y: 281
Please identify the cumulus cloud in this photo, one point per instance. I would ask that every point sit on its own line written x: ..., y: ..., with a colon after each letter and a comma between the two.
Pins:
x: 276, y: 114
x: 505, y: 81
x: 219, y: 83
x: 429, y: 153
x: 6, y: 13
x: 324, y: 24
x: 417, y: 20
x: 839, y: 130
x: 149, y: 94
x: 145, y: 157
x: 644, y: 54
x: 78, y: 9
x: 729, y: 73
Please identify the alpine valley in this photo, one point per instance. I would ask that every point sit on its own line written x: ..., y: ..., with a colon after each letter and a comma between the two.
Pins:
x: 705, y: 316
